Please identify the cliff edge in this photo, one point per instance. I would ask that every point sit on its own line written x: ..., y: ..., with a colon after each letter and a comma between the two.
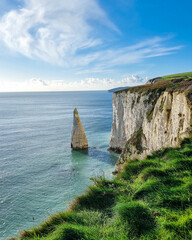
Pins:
x: 150, y: 117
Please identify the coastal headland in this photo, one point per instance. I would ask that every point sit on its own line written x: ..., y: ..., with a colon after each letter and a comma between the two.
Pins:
x: 151, y: 195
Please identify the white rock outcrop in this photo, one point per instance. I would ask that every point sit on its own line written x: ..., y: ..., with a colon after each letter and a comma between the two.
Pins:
x: 129, y: 110
x: 143, y: 123
x: 78, y: 138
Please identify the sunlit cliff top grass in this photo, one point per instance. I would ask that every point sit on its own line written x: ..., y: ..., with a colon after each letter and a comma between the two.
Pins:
x: 185, y: 76
x: 151, y: 199
x: 178, y: 82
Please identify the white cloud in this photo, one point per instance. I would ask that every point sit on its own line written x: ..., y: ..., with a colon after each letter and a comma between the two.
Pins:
x: 62, y: 33
x: 60, y: 85
x: 106, y: 60
x: 52, y: 31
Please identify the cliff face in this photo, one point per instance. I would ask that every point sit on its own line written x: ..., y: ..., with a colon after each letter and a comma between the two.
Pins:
x: 150, y: 117
x: 129, y: 110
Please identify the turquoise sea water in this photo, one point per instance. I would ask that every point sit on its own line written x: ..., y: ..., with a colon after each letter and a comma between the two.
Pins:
x: 39, y: 174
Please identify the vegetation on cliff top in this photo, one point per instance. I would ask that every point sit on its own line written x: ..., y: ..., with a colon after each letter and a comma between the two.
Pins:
x: 185, y: 76
x: 150, y: 199
x: 178, y: 82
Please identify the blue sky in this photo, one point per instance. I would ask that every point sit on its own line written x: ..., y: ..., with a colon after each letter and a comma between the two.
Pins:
x: 92, y: 44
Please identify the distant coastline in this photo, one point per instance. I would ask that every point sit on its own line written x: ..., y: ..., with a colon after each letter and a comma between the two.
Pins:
x: 117, y: 89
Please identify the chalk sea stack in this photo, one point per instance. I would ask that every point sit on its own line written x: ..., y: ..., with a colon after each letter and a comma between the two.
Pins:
x: 78, y: 138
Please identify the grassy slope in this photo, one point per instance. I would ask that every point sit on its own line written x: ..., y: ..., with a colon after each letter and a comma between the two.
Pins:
x: 151, y: 199
x: 173, y: 76
x: 180, y: 82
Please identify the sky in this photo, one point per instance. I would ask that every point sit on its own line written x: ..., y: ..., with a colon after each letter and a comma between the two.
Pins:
x: 66, y: 45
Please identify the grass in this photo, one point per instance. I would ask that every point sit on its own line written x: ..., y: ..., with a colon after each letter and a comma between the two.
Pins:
x: 186, y: 75
x: 150, y: 200
x: 177, y: 82
x: 137, y: 216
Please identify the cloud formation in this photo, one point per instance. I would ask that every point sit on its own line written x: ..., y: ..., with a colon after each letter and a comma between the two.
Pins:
x: 64, y: 33
x: 51, y: 30
x: 60, y: 85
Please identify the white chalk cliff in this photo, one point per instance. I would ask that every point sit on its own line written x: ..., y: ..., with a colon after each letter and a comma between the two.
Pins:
x: 149, y: 118
x: 78, y: 138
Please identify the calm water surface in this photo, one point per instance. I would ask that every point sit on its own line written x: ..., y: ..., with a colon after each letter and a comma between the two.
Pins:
x: 39, y: 174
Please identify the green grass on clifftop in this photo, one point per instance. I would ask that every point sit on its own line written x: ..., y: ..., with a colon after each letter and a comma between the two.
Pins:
x: 177, y: 82
x: 185, y: 76
x: 151, y: 199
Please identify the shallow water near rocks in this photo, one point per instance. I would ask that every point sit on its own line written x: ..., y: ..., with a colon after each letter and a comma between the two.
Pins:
x: 39, y: 174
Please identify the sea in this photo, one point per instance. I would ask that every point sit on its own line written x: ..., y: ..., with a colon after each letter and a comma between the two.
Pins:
x: 39, y: 173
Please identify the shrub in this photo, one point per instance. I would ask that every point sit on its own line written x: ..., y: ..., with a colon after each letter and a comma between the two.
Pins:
x: 72, y: 233
x: 171, y: 181
x: 135, y: 167
x: 149, y: 187
x: 96, y: 199
x: 138, y: 217
x: 154, y: 172
x: 183, y: 165
x: 51, y: 224
x: 175, y: 202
